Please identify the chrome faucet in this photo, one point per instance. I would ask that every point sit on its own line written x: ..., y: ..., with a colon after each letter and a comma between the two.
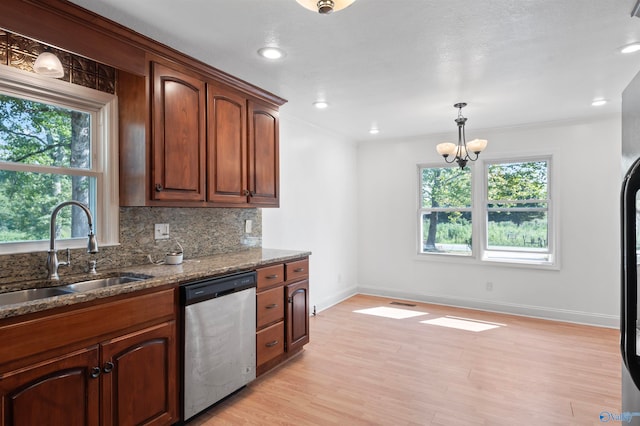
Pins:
x: 52, y: 258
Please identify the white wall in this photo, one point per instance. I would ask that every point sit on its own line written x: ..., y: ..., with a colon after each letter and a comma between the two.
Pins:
x: 586, y: 158
x: 318, y: 208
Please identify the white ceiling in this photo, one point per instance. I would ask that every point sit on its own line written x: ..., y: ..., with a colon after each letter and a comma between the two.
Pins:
x: 402, y: 64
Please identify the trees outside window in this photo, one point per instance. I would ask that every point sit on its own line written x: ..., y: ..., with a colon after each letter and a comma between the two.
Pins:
x: 512, y: 223
x: 44, y: 137
x: 445, y: 211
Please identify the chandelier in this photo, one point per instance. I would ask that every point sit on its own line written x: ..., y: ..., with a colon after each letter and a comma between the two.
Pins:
x: 460, y: 153
x: 325, y: 6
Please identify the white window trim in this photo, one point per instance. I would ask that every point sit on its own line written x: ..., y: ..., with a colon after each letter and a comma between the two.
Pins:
x: 104, y: 109
x: 478, y: 216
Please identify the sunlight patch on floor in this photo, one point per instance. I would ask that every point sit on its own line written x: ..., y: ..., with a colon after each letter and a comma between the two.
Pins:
x: 395, y: 313
x: 463, y: 323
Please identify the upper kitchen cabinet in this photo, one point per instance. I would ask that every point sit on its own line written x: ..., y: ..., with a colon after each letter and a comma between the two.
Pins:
x: 205, y: 142
x: 178, y: 136
x: 227, y: 162
x: 263, y: 155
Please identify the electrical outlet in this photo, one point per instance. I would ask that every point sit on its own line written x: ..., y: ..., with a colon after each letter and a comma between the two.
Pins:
x: 161, y: 231
x: 489, y: 286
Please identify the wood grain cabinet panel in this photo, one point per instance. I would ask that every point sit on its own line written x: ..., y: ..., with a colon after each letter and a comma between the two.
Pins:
x: 179, y: 140
x: 269, y: 343
x: 264, y: 176
x: 270, y: 276
x: 270, y: 306
x: 139, y: 377
x: 61, y: 391
x: 297, y: 315
x: 227, y: 145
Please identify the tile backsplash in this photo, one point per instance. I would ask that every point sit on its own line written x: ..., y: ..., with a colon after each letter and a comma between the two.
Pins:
x: 200, y: 231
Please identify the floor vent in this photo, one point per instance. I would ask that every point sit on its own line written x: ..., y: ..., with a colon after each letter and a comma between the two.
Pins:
x: 402, y: 304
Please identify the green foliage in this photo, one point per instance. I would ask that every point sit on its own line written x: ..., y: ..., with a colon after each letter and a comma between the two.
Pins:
x: 38, y: 134
x: 446, y: 187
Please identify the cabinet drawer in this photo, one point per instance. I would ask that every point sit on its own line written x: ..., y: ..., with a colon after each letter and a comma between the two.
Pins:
x: 270, y: 306
x: 270, y: 276
x: 269, y: 343
x: 297, y: 270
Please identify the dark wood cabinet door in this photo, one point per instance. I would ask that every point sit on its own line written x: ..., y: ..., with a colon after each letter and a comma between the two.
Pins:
x: 297, y: 315
x: 139, y: 377
x: 179, y: 140
x: 61, y: 391
x: 264, y: 178
x: 227, y: 145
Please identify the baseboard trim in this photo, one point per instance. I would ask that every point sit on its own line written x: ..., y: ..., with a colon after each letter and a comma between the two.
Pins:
x: 566, y: 315
x: 334, y: 299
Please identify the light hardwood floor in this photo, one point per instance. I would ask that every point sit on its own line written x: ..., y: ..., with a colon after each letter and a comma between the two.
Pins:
x: 367, y: 370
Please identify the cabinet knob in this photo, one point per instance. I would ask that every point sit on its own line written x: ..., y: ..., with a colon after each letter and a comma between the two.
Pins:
x: 271, y: 344
x: 159, y: 187
x: 246, y: 193
x: 95, y: 372
x: 108, y: 367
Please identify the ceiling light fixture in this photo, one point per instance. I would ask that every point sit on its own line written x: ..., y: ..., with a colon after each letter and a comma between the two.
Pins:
x: 271, y: 53
x: 325, y: 6
x: 374, y: 131
x: 460, y: 152
x: 598, y: 102
x: 48, y: 65
x: 320, y: 104
x: 630, y: 48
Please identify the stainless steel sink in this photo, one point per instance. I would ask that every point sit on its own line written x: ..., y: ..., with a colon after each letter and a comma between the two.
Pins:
x: 28, y: 295
x: 104, y: 282
x: 21, y: 296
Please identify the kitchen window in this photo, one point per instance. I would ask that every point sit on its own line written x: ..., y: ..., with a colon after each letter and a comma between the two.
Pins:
x: 57, y: 143
x: 512, y: 222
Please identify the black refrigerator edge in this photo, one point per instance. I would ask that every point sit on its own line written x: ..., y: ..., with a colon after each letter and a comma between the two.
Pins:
x: 630, y: 227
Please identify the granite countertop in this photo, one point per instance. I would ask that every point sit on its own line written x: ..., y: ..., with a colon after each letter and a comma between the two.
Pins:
x: 189, y: 270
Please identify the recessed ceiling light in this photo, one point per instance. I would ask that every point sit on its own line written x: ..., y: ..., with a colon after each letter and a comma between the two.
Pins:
x: 374, y: 131
x: 631, y: 48
x: 598, y: 102
x: 271, y: 53
x: 320, y: 104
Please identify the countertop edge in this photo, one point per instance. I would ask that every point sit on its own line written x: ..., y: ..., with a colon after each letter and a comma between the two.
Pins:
x: 189, y: 270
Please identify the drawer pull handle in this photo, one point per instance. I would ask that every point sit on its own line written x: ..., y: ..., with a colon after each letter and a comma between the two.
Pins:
x: 271, y: 344
x: 108, y: 367
x: 271, y: 306
x: 298, y: 270
x: 95, y: 372
x: 272, y: 277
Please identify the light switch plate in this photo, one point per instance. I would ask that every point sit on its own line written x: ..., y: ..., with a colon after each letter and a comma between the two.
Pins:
x: 161, y: 231
x: 248, y: 225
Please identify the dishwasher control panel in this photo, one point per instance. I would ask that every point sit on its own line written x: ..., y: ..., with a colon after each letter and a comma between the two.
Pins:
x: 210, y: 288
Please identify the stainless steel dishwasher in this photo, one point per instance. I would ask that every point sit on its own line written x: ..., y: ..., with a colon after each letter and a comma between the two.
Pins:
x: 219, y: 339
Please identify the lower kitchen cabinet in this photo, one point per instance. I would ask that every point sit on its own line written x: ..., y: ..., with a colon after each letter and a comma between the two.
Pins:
x: 60, y: 391
x: 121, y: 378
x: 282, y: 312
x: 297, y: 315
x: 139, y: 377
